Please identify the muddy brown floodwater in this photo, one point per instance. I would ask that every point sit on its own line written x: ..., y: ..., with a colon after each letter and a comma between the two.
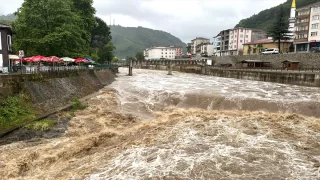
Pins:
x: 153, y: 126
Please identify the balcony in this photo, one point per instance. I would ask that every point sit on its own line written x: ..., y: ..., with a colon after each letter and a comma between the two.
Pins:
x: 301, y: 23
x: 301, y: 31
x: 303, y: 16
x: 301, y: 40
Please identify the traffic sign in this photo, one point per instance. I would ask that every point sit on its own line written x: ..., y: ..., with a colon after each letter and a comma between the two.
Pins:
x: 21, y: 53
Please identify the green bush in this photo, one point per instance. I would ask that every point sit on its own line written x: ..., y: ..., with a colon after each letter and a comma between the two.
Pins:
x: 14, y: 111
x: 77, y: 105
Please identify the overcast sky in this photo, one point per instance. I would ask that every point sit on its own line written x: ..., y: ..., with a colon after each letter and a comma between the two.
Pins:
x: 185, y: 19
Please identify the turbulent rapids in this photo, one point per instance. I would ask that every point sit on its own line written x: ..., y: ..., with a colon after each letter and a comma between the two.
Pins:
x: 154, y: 126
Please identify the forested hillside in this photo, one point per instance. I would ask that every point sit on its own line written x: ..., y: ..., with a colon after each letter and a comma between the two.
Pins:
x: 7, y: 19
x: 129, y: 40
x: 263, y: 19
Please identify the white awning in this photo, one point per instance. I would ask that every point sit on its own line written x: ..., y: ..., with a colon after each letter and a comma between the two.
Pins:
x: 67, y: 59
x: 12, y: 56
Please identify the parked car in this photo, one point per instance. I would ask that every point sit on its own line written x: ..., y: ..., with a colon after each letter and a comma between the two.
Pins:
x: 271, y: 51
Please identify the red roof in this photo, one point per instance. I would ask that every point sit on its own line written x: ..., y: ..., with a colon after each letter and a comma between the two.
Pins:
x: 265, y: 41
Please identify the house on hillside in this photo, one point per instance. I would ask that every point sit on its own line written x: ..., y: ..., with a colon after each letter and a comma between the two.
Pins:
x: 256, y: 47
x: 5, y: 46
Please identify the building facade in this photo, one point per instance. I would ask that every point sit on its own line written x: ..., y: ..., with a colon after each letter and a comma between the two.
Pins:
x: 307, y: 35
x: 224, y: 48
x: 206, y: 50
x: 232, y: 40
x: 5, y: 46
x: 157, y: 53
x: 179, y: 52
x: 217, y: 45
x: 195, y: 44
x: 256, y: 47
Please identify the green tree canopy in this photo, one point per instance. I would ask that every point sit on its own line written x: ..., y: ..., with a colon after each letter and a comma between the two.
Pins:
x: 106, y: 53
x: 53, y: 27
x: 139, y: 56
x: 279, y: 29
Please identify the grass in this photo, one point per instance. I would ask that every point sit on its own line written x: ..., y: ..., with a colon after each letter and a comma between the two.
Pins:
x: 14, y: 111
x: 42, y: 125
x: 77, y: 105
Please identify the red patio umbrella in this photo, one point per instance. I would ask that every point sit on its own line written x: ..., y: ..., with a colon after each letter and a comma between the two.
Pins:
x: 55, y: 59
x: 34, y: 58
x: 81, y: 60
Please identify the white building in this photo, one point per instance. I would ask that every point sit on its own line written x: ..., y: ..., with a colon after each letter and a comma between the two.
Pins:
x: 195, y: 44
x: 207, y: 49
x: 157, y: 53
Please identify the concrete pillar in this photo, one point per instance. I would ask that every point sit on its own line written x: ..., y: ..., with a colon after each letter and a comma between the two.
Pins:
x: 203, y: 69
x: 170, y: 68
x: 130, y: 68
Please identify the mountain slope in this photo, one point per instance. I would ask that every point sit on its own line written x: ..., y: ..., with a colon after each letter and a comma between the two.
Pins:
x: 9, y: 17
x: 129, y: 40
x: 264, y: 19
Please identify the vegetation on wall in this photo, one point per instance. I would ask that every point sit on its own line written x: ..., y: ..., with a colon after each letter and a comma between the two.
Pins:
x: 130, y: 40
x: 264, y: 19
x: 15, y: 111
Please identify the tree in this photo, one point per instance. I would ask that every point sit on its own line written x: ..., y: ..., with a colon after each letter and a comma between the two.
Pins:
x: 249, y: 50
x: 279, y: 29
x: 188, y: 49
x: 106, y: 53
x: 260, y: 47
x: 100, y: 34
x: 50, y: 27
x: 139, y: 56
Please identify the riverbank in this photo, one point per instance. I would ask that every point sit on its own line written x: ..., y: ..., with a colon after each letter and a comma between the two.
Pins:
x: 47, y: 95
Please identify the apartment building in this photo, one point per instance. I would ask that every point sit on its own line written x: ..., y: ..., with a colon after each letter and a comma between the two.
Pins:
x: 195, y: 44
x: 232, y: 40
x: 5, y: 46
x: 206, y: 49
x: 179, y: 52
x: 217, y: 45
x: 302, y: 29
x: 240, y: 36
x: 224, y: 47
x: 314, y: 30
x: 157, y: 53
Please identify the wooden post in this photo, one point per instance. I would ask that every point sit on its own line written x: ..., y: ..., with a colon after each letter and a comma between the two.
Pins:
x: 130, y: 68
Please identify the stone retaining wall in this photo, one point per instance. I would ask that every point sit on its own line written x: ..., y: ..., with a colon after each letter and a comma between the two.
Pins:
x: 308, y: 60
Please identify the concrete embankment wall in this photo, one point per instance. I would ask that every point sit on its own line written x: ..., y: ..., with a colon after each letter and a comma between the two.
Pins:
x: 284, y: 77
x: 55, y: 89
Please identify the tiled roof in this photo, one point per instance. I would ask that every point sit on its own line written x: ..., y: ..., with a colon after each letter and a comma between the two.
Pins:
x: 5, y: 26
x: 264, y: 41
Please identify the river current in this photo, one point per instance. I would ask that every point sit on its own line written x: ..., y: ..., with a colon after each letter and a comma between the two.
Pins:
x: 185, y: 126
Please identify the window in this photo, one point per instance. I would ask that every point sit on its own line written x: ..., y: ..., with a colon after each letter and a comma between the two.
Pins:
x: 314, y: 33
x: 241, y: 41
x: 0, y: 43
x: 315, y: 17
x: 235, y: 46
x: 235, y: 41
x: 247, y: 36
x: 314, y: 26
x: 241, y: 36
x: 246, y: 41
x: 241, y: 30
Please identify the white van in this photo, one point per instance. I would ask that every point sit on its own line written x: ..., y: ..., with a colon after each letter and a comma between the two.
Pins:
x: 271, y: 51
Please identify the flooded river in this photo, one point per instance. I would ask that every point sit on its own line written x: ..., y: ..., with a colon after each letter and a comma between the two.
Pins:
x: 185, y: 126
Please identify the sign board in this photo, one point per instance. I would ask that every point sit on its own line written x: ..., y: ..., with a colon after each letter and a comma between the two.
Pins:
x: 21, y: 53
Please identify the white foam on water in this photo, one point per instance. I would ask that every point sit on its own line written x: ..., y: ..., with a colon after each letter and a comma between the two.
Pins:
x: 216, y: 150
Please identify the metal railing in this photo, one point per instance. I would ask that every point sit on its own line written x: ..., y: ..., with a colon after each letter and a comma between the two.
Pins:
x: 40, y: 69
